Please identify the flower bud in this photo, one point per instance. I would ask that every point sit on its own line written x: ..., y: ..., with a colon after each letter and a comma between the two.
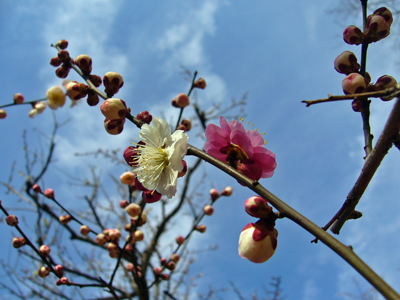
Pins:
x: 101, y: 239
x: 200, y: 83
x: 171, y: 266
x: 133, y: 210
x: 49, y: 193
x: 62, y: 281
x: 55, y: 97
x: 44, y: 250
x: 354, y: 83
x: 123, y: 203
x: 356, y: 105
x: 227, y: 191
x: 157, y: 270
x: 55, y: 61
x: 128, y: 178
x: 18, y: 242
x: 77, y: 90
x: 12, y: 220
x: 353, y: 35
x: 44, y: 272
x: 184, y: 169
x: 114, y: 109
x: 59, y: 270
x: 114, y: 127
x: 63, y: 55
x: 84, y: 62
x: 40, y: 106
x: 163, y: 261
x: 96, y: 80
x: 187, y: 123
x: 92, y: 99
x: 182, y: 100
x: 151, y: 196
x: 84, y: 230
x: 112, y: 82
x: 128, y: 227
x: 3, y: 114
x: 36, y: 188
x: 130, y: 267
x: 258, y: 241
x: 139, y: 235
x: 214, y: 194
x: 63, y: 71
x: 145, y: 116
x: 257, y: 207
x: 180, y: 240
x: 65, y: 219
x: 142, y: 221
x: 208, y: 210
x: 346, y: 63
x: 175, y: 257
x: 377, y: 28
x: 385, y: 82
x: 385, y: 13
x: 112, y: 247
x: 114, y: 234
x: 18, y: 98
x: 63, y: 44
x: 201, y: 228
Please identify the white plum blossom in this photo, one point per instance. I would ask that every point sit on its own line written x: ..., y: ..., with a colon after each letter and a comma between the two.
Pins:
x: 159, y: 159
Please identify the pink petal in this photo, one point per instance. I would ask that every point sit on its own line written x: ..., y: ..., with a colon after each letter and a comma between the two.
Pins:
x: 239, y: 137
x: 266, y: 160
x: 216, y: 136
x: 217, y: 154
x: 255, y: 138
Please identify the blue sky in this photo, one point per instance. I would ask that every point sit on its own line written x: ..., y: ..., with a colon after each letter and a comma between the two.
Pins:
x: 279, y: 53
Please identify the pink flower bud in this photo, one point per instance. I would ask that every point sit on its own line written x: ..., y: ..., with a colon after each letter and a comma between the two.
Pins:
x: 130, y: 267
x: 128, y: 178
x: 49, y: 193
x: 182, y: 100
x: 133, y: 210
x: 101, y: 239
x: 171, y: 266
x: 84, y: 62
x: 112, y: 82
x: 112, y: 247
x: 114, y: 127
x: 123, y: 203
x: 114, y: 234
x: 65, y: 219
x: 59, y: 270
x: 151, y: 196
x: 145, y: 116
x: 128, y: 227
x: 55, y: 61
x: 184, y: 169
x: 157, y: 270
x: 385, y: 13
x: 37, y: 188
x: 139, y: 235
x: 44, y: 250
x: 84, y: 230
x: 63, y: 55
x: 18, y: 242
x: 142, y: 221
x: 63, y: 280
x: 258, y: 241
x: 353, y: 35
x: 96, y: 80
x: 175, y: 257
x: 214, y: 194
x: 3, y: 114
x: 18, y: 98
x: 187, y: 123
x: 77, y: 90
x: 63, y: 44
x: 354, y: 83
x: 163, y: 261
x: 44, y: 272
x: 180, y: 240
x: 200, y: 83
x: 227, y: 191
x: 114, y: 108
x: 12, y: 220
x: 55, y: 97
x: 63, y: 71
x: 208, y: 210
x: 377, y: 28
x: 346, y: 63
x: 257, y: 207
x: 201, y: 228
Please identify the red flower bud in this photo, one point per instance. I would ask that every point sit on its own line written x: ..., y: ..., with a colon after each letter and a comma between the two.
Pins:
x: 145, y: 116
x: 55, y: 61
x: 354, y: 83
x: 96, y: 80
x: 180, y: 240
x: 49, y: 193
x: 257, y: 207
x: 63, y: 44
x: 200, y: 83
x: 37, y: 188
x: 353, y: 35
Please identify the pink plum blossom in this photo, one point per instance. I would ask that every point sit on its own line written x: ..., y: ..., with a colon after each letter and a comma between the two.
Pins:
x: 242, y: 149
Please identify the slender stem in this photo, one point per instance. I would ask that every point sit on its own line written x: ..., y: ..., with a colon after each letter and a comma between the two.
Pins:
x: 345, y: 252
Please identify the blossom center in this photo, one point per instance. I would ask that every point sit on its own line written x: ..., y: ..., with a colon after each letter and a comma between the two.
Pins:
x: 235, y: 154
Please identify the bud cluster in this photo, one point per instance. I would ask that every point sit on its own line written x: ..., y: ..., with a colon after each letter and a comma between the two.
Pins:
x: 115, y: 111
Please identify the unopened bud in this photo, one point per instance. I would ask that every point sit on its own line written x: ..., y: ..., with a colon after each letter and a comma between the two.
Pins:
x: 346, y: 63
x: 139, y: 235
x: 101, y: 239
x: 164, y: 277
x: 18, y: 98
x: 157, y: 270
x: 385, y: 13
x: 84, y: 62
x: 175, y: 257
x: 171, y: 266
x: 257, y: 207
x: 114, y: 234
x: 59, y: 270
x: 112, y: 82
x: 353, y: 35
x: 201, y: 228
x: 63, y: 55
x: 180, y: 240
x: 84, y: 230
x: 44, y: 271
x: 130, y: 267
x: 77, y: 90
x: 354, y: 83
x: 3, y: 114
x: 114, y: 127
x: 55, y: 61
x: 18, y: 242
x: 65, y: 219
x: 208, y: 210
x: 227, y: 191
x: 12, y: 220
x: 123, y: 203
x: 114, y: 108
x: 145, y: 116
x: 127, y: 178
x: 200, y: 83
x: 96, y: 80
x: 92, y: 99
x: 377, y: 28
x: 63, y: 71
x: 36, y: 188
x: 49, y: 193
x: 44, y: 250
x: 182, y: 100
x: 163, y: 261
x: 142, y: 221
x: 63, y: 44
x: 187, y: 123
x: 133, y: 210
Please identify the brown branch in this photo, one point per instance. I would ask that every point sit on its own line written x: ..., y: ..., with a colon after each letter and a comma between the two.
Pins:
x: 390, y: 132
